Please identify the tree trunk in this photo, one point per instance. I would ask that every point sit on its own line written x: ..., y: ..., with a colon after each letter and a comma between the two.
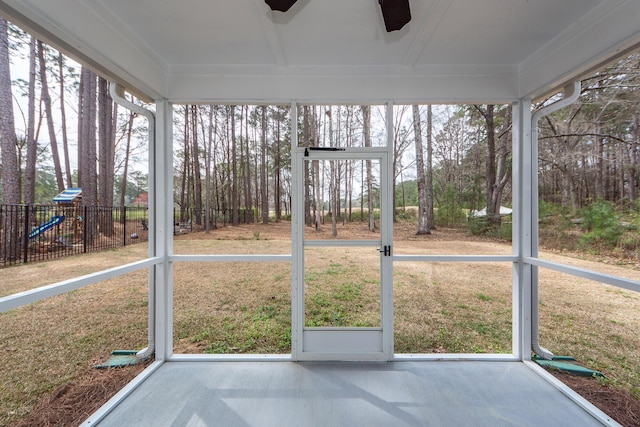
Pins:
x: 113, y: 143
x: 276, y: 171
x: 264, y: 197
x: 633, y: 167
x: 242, y: 187
x: 63, y: 122
x: 207, y: 168
x: 104, y: 117
x: 216, y: 180
x: 621, y: 172
x: 248, y: 197
x: 207, y: 173
x: 497, y: 169
x: 503, y: 168
x: 341, y: 175
x: 599, y: 184
x: 184, y: 191
x: 568, y: 195
x: 92, y: 185
x: 8, y: 143
x: 125, y: 170
x: 333, y: 182
x: 32, y: 145
x: 46, y: 98
x: 423, y: 220
x: 366, y: 128
x: 226, y: 172
x: 106, y: 156
x: 349, y: 165
x: 235, y: 199
x: 255, y: 164
x: 197, y: 172
x: 87, y: 156
x: 306, y: 131
x: 399, y: 145
x: 81, y: 127
x: 493, y: 211
x: 431, y: 220
x: 317, y: 186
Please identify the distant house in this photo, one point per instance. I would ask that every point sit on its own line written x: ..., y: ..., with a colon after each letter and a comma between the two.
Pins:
x: 141, y: 200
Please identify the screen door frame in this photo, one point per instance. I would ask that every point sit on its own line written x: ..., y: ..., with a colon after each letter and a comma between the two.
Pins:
x: 342, y: 343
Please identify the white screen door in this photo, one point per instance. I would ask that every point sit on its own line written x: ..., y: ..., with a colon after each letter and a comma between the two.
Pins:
x: 342, y: 270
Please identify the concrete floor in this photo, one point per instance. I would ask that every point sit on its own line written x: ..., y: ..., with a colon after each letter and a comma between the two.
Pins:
x: 435, y: 393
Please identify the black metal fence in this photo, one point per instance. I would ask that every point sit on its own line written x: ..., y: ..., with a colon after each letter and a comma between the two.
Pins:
x: 31, y: 233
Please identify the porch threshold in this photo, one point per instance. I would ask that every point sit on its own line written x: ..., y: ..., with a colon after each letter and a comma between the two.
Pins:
x: 399, y: 393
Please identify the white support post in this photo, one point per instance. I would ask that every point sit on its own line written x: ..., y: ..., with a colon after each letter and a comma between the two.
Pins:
x: 524, y: 191
x: 297, y: 236
x: 531, y: 249
x: 163, y: 166
x: 386, y: 237
x: 153, y: 206
x: 117, y: 93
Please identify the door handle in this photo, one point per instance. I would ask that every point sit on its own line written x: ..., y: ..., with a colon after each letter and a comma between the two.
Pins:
x: 385, y: 250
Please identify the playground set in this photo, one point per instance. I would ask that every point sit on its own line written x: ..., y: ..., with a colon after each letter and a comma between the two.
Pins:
x: 31, y: 233
x: 57, y: 233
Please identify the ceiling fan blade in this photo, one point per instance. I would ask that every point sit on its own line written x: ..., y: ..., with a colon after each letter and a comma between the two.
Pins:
x: 396, y: 13
x: 280, y: 5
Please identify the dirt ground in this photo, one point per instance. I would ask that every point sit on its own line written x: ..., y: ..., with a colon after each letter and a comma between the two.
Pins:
x: 73, y: 403
x: 618, y: 404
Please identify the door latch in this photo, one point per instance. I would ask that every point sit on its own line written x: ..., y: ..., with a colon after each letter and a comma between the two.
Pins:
x: 385, y: 250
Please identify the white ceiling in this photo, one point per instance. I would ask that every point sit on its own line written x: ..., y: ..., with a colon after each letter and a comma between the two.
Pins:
x: 335, y: 50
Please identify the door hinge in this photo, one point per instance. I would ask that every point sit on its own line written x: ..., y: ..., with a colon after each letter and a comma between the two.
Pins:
x: 385, y: 250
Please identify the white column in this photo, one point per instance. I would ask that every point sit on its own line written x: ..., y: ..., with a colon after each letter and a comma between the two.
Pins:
x: 163, y: 191
x: 525, y: 167
x: 297, y: 239
x: 386, y: 237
